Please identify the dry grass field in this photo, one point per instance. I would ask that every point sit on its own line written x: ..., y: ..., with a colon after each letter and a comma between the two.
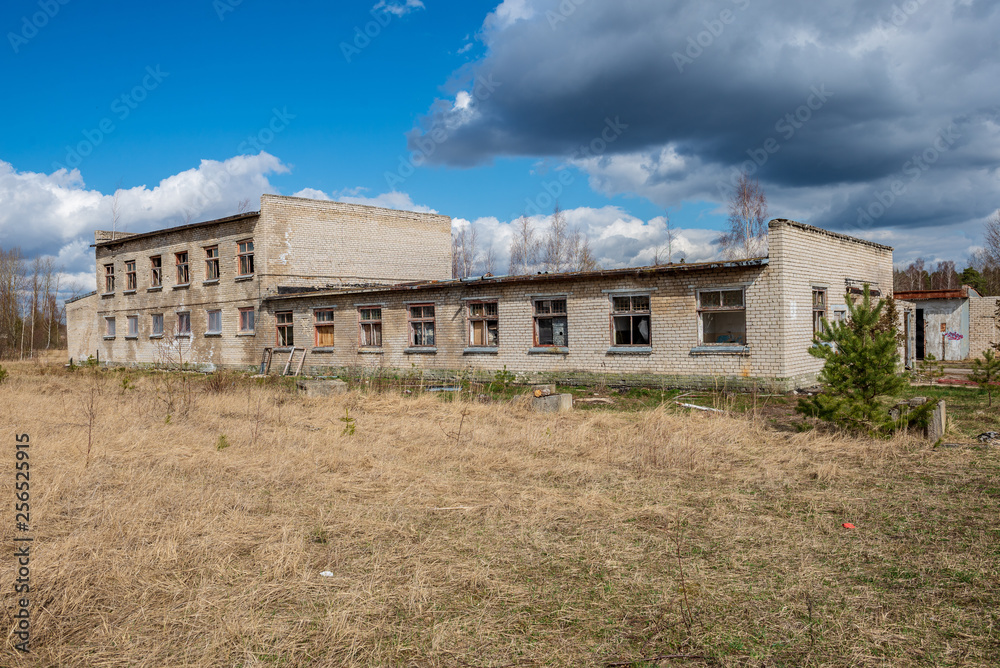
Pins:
x: 595, y: 538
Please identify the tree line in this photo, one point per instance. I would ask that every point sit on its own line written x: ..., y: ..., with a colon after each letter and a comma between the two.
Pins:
x: 31, y: 318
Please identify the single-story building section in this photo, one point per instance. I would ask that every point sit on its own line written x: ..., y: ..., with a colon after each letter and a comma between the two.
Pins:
x: 953, y: 325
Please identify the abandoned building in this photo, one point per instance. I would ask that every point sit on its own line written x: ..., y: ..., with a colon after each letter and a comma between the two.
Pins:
x: 333, y: 286
x: 952, y: 325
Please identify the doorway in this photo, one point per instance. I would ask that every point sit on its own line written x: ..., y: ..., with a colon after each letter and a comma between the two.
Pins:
x: 920, y: 333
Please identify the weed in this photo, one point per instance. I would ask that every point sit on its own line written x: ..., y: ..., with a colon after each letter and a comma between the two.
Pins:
x: 348, y: 423
x: 222, y: 443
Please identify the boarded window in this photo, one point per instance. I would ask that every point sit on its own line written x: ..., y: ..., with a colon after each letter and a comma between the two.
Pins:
x: 247, y: 318
x: 286, y: 333
x: 550, y: 322
x: 244, y: 254
x: 484, y: 324
x: 723, y: 317
x: 324, y: 327
x: 214, y: 322
x: 212, y: 263
x: 370, y: 321
x: 421, y: 325
x: 630, y: 320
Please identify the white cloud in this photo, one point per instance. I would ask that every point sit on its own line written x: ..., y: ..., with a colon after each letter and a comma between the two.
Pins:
x: 398, y: 8
x: 390, y: 200
x: 507, y: 13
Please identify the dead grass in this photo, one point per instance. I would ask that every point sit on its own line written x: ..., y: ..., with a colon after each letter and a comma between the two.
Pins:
x: 570, y: 540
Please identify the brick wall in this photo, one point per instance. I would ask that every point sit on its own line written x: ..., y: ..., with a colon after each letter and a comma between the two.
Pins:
x: 312, y: 242
x: 983, y: 325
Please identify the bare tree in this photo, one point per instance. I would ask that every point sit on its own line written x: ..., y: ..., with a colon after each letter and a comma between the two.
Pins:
x: 524, y: 248
x: 557, y: 248
x: 243, y: 206
x: 666, y: 249
x: 116, y: 213
x: 991, y: 237
x: 463, y: 252
x: 747, y: 234
x: 581, y: 257
x: 490, y: 260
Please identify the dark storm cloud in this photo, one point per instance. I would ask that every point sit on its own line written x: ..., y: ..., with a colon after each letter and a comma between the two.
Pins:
x: 842, y: 93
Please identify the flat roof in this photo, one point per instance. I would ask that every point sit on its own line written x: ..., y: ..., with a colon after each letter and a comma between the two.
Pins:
x: 920, y: 295
x: 674, y: 268
x: 168, y: 230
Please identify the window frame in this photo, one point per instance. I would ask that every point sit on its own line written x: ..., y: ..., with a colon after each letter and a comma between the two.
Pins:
x: 485, y: 318
x: 253, y: 320
x: 722, y: 308
x: 109, y: 278
x: 132, y: 326
x: 631, y: 314
x: 212, y: 263
x: 372, y: 323
x: 155, y: 271
x: 183, y: 268
x: 183, y: 317
x: 154, y: 332
x: 321, y: 326
x: 419, y: 324
x: 208, y: 322
x: 131, y: 281
x: 537, y: 316
x: 244, y: 258
x: 818, y: 314
x: 286, y: 327
x: 110, y: 327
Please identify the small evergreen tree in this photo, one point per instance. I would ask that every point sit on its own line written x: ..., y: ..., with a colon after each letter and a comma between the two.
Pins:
x: 986, y: 372
x: 859, y: 371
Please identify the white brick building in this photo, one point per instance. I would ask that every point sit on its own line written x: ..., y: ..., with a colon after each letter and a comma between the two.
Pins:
x: 359, y: 286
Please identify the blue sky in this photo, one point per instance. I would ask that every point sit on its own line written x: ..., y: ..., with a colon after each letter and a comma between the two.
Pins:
x: 830, y: 105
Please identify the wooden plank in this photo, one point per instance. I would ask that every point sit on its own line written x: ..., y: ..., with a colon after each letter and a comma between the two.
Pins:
x: 298, y: 370
x: 288, y: 364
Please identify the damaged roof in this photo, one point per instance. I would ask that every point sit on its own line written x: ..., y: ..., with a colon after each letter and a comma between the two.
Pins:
x: 675, y: 268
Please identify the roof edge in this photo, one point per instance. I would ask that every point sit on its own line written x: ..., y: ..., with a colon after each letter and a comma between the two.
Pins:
x: 167, y: 230
x: 820, y: 230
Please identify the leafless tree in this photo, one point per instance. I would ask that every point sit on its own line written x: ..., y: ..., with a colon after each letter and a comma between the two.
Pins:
x: 665, y: 251
x: 556, y: 253
x: 243, y: 206
x: 991, y: 237
x: 490, y: 260
x: 524, y: 248
x: 747, y: 234
x: 463, y: 252
x: 116, y: 213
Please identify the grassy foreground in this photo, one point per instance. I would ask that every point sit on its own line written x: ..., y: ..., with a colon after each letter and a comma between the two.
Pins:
x: 595, y: 538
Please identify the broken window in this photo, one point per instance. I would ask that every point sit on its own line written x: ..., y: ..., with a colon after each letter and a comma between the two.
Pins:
x: 109, y: 278
x: 323, y: 322
x: 214, y: 322
x: 130, y: 280
x: 109, y: 327
x: 132, y: 327
x: 484, y: 324
x: 183, y: 276
x: 183, y: 323
x: 630, y: 320
x: 819, y: 309
x: 247, y: 320
x: 421, y: 325
x: 286, y: 333
x: 212, y: 263
x: 370, y: 320
x: 244, y: 254
x: 723, y: 317
x: 157, y: 325
x: 550, y: 322
x: 156, y: 271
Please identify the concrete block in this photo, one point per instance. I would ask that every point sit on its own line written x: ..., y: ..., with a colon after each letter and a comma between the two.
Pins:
x: 322, y: 388
x: 938, y: 423
x: 554, y: 403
